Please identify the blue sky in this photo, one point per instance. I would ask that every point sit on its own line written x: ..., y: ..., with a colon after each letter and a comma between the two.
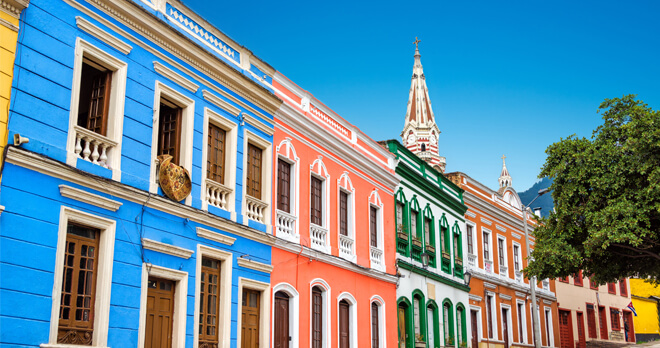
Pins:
x: 505, y: 77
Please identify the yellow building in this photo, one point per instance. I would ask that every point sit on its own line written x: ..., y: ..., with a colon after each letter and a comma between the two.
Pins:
x: 10, y: 11
x: 646, y: 300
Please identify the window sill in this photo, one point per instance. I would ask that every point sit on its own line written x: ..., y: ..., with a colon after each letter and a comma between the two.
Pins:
x: 59, y: 345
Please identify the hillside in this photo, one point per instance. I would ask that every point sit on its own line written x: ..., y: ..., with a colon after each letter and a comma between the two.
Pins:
x: 545, y: 201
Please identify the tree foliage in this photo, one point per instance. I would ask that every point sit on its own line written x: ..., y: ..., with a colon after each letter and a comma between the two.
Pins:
x: 607, y: 199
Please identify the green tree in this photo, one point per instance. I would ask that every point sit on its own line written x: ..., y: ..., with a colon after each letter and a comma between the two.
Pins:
x: 607, y: 199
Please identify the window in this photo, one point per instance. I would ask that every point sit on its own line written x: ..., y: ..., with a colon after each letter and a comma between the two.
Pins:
x: 563, y: 279
x: 169, y: 130
x: 461, y: 331
x: 592, y: 284
x: 219, y: 152
x: 417, y: 318
x: 427, y: 230
x: 254, y: 168
x: 443, y: 238
x: 448, y: 321
x: 375, y: 326
x: 522, y: 331
x: 343, y: 213
x: 212, y: 311
x: 489, y: 315
x: 345, y: 219
x: 413, y: 224
x: 500, y: 252
x: 316, y: 208
x: 317, y: 317
x: 283, y: 186
x: 469, y: 239
x: 611, y: 288
x: 401, y: 226
x: 346, y: 323
x: 614, y: 316
x: 577, y: 279
x: 94, y: 102
x: 623, y: 288
x: 215, y: 155
x: 516, y: 258
x: 373, y: 226
x: 486, y: 237
x: 209, y: 302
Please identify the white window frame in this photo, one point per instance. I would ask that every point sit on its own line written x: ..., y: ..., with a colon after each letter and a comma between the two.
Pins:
x: 516, y: 244
x: 187, y: 105
x: 381, y: 320
x: 224, y: 316
x: 264, y: 310
x: 475, y: 246
x: 352, y: 318
x: 508, y: 321
x: 493, y: 312
x: 327, y: 317
x: 491, y: 250
x: 103, y: 276
x: 231, y: 136
x: 180, y: 279
x: 548, y: 314
x: 115, y: 119
x: 344, y: 184
x: 480, y: 331
x: 521, y: 304
x: 266, y: 175
x: 286, y: 152
x: 318, y: 170
x: 375, y: 201
x: 505, y: 256
x: 294, y: 313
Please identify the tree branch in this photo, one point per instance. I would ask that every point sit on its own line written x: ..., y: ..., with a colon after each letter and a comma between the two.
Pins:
x: 651, y: 254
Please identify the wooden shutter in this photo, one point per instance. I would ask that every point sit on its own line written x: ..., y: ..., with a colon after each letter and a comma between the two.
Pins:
x: 469, y: 239
x: 374, y: 326
x: 344, y: 325
x: 76, y: 321
x: 427, y: 231
x: 591, y: 320
x: 373, y: 226
x: 169, y: 131
x: 486, y: 246
x: 317, y: 318
x: 160, y: 313
x: 254, y: 171
x: 516, y: 264
x: 281, y: 322
x: 403, y: 334
x: 603, y: 323
x: 209, y: 303
x: 316, y: 200
x: 343, y: 213
x: 500, y: 251
x: 94, y: 98
x: 283, y: 186
x: 489, y: 315
x: 215, y: 154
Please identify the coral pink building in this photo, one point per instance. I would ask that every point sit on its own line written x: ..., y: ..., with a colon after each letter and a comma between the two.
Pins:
x: 333, y: 282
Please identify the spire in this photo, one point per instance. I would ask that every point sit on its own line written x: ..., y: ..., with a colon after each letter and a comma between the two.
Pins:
x: 420, y: 132
x: 505, y: 179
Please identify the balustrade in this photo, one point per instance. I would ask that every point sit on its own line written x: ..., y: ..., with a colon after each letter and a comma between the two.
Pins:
x: 286, y: 225
x: 255, y: 209
x: 217, y: 194
x: 319, y: 237
x: 93, y: 147
x: 376, y: 258
x: 345, y: 246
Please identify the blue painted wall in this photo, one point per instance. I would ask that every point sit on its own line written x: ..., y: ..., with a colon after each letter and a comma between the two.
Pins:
x: 39, y: 110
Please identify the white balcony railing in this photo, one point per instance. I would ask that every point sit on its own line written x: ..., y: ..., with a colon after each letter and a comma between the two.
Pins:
x: 286, y: 225
x: 503, y: 271
x: 255, y: 209
x: 93, y: 147
x: 488, y: 265
x: 519, y: 276
x: 319, y: 237
x: 376, y: 258
x: 217, y: 194
x: 472, y: 261
x: 346, y: 247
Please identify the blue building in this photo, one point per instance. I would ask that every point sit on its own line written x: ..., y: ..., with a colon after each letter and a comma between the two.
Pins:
x: 92, y: 251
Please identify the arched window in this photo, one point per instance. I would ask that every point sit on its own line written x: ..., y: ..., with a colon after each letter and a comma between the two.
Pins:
x: 433, y: 327
x: 406, y: 338
x: 445, y: 244
x: 458, y: 250
x: 281, y: 320
x: 423, y: 147
x: 429, y: 235
x: 461, y: 329
x: 416, y: 230
x: 419, y: 317
x: 448, y: 323
x: 346, y: 321
x: 287, y: 175
x: 318, y: 317
x: 346, y: 217
x: 402, y: 223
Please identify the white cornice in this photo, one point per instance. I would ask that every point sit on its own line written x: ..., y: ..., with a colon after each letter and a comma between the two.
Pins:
x: 505, y: 297
x: 547, y: 302
x: 474, y: 297
x: 257, y: 266
x: 89, y: 198
x: 103, y: 35
x: 486, y: 221
x: 489, y: 285
x: 166, y: 248
x: 215, y: 100
x: 520, y: 294
x: 510, y: 284
x: 248, y: 107
x: 334, y: 260
x: 14, y: 7
x: 47, y: 166
x: 215, y: 236
x: 180, y: 80
x: 258, y: 125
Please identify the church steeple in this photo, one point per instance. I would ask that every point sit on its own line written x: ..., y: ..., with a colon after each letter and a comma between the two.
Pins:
x: 505, y: 179
x: 420, y: 132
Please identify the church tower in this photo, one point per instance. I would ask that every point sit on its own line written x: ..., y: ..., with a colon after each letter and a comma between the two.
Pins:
x: 505, y: 179
x: 420, y: 133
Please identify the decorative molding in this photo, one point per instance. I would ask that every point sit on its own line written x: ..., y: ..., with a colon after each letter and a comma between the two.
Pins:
x: 50, y: 167
x: 470, y: 214
x: 166, y: 248
x: 8, y: 24
x: 515, y: 235
x: 248, y: 107
x: 103, y: 35
x: 521, y: 294
x: 215, y: 100
x: 14, y: 7
x: 474, y: 297
x: 258, y: 125
x: 257, y: 266
x: 486, y: 221
x: 89, y: 198
x: 490, y: 286
x: 215, y: 236
x: 170, y: 74
x: 500, y: 228
x: 547, y: 302
x: 2, y: 208
x: 505, y: 297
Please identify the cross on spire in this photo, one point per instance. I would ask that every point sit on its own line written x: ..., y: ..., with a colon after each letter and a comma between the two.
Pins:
x: 503, y: 158
x: 416, y: 42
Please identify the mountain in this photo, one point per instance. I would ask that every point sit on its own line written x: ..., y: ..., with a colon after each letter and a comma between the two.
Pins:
x: 544, y: 202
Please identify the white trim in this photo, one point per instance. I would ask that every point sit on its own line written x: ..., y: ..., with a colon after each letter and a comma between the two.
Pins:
x: 508, y: 322
x: 266, y: 175
x: 318, y: 170
x: 215, y: 100
x: 548, y: 314
x: 381, y: 320
x: 345, y: 184
x: 480, y: 331
x: 493, y: 312
x: 327, y: 313
x: 294, y: 313
x: 161, y: 69
x: 505, y: 256
x: 180, y: 302
x: 103, y: 277
x: 255, y: 265
x: 352, y: 318
x: 520, y: 264
x: 89, y: 198
x: 474, y: 240
x: 168, y: 249
x: 264, y: 312
x: 380, y: 241
x: 252, y: 121
x: 109, y: 39
x: 225, y: 286
x: 187, y: 105
x: 474, y: 297
x: 523, y: 316
x: 215, y: 236
x: 286, y: 152
x: 115, y: 118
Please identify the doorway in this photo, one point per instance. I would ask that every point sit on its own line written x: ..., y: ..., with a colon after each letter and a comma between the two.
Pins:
x: 565, y: 329
x: 505, y: 327
x: 250, y: 318
x: 582, y: 340
x: 344, y: 325
x: 628, y: 326
x: 160, y: 312
x: 281, y: 336
x: 602, y: 321
x: 475, y: 332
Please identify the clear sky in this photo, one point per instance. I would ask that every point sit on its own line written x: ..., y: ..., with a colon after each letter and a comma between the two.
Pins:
x: 504, y: 77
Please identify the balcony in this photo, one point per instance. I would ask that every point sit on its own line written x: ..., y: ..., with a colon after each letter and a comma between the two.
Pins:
x: 472, y: 261
x: 93, y: 147
x: 504, y: 271
x: 286, y: 226
x: 346, y: 247
x: 377, y: 258
x: 255, y: 209
x: 519, y: 276
x: 217, y: 194
x: 319, y: 237
x: 488, y: 266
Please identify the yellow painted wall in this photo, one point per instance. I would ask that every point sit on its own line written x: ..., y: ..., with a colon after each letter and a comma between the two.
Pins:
x: 646, y: 321
x: 639, y: 287
x: 8, y: 39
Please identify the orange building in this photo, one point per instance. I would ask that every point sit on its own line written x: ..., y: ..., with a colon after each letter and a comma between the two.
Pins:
x: 500, y: 304
x: 333, y: 282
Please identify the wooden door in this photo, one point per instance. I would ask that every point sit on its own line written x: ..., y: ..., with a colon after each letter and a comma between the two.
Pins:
x: 344, y: 327
x: 565, y: 329
x: 317, y: 318
x: 505, y: 327
x: 591, y: 320
x: 250, y: 318
x: 582, y: 341
x: 475, y: 333
x: 160, y: 310
x: 628, y: 327
x: 281, y: 335
x: 403, y: 334
x: 602, y: 321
